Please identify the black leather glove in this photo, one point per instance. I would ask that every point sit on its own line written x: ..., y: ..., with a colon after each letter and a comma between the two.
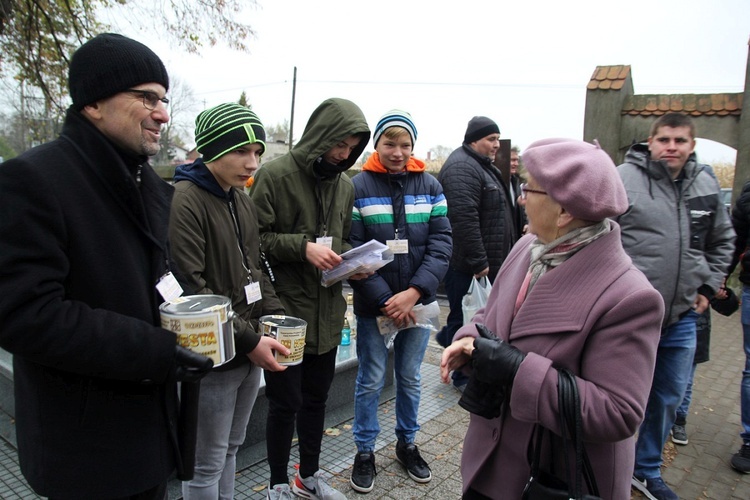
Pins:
x: 493, y: 360
x: 480, y: 398
x: 190, y: 366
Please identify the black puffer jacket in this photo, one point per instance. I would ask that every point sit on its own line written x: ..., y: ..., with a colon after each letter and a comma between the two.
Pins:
x: 479, y: 212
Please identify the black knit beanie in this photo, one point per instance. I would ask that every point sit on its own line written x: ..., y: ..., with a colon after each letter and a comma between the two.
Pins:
x: 479, y: 127
x: 226, y: 127
x: 110, y: 63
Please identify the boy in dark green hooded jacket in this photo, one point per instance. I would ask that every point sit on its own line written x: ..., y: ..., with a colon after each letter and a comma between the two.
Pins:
x: 304, y: 204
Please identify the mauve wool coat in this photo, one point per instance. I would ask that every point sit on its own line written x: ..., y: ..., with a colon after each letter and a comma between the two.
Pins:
x: 598, y: 316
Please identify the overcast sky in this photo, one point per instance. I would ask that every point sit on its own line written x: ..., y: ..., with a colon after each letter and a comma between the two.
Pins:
x: 524, y: 64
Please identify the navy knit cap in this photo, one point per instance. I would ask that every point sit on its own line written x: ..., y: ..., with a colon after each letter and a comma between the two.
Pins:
x: 479, y: 127
x: 109, y: 64
x: 395, y: 118
x: 226, y: 127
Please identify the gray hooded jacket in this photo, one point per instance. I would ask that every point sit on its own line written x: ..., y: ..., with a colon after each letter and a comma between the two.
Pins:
x: 676, y: 231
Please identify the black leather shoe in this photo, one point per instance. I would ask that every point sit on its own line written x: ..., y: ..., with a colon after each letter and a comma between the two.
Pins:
x: 408, y: 455
x: 363, y: 472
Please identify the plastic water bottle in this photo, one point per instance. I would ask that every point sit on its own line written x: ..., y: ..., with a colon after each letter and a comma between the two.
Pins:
x: 346, y: 333
x: 350, y: 316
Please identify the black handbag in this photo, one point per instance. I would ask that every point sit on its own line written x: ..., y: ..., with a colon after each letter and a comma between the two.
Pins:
x: 546, y: 486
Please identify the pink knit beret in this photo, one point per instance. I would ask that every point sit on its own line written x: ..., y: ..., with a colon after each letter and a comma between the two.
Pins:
x: 581, y: 177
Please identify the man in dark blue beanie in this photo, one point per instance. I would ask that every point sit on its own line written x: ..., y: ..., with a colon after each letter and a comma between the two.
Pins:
x: 85, y: 268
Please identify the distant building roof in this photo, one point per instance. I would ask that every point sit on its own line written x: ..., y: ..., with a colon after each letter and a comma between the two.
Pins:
x: 614, y: 77
x: 691, y: 104
x: 609, y: 77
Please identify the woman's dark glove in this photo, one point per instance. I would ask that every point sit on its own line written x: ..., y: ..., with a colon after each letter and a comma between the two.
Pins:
x: 493, y: 360
x: 480, y: 398
x: 190, y: 366
x: 494, y: 366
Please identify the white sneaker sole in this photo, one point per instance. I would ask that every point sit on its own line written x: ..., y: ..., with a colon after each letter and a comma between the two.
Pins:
x: 681, y: 442
x: 361, y: 489
x: 638, y: 485
x: 418, y: 479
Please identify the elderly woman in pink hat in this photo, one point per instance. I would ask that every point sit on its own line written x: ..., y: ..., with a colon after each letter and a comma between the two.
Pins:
x: 568, y: 297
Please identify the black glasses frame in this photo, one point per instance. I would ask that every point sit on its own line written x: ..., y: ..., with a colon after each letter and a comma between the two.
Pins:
x: 150, y: 99
x: 526, y: 189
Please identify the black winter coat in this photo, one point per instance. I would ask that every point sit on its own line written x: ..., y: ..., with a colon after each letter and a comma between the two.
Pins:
x: 479, y: 212
x: 741, y: 223
x: 81, y: 249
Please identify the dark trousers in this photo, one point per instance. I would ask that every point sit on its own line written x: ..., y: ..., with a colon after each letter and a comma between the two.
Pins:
x: 456, y: 283
x: 298, y: 392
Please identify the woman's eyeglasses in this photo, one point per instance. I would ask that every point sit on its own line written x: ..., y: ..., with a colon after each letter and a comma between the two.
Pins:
x: 526, y: 189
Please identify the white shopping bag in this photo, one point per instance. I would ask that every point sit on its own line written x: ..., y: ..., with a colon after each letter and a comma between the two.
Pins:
x: 475, y: 298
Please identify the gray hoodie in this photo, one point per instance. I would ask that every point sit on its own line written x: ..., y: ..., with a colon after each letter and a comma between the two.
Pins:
x: 676, y: 231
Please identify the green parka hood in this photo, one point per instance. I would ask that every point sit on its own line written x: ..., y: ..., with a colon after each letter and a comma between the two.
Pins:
x: 333, y: 120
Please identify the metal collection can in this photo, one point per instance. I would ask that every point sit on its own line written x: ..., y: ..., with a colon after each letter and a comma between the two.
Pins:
x: 203, y: 324
x: 290, y: 332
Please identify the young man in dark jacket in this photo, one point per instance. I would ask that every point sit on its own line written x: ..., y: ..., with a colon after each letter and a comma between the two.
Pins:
x: 84, y: 257
x: 304, y: 203
x: 481, y: 217
x: 214, y: 236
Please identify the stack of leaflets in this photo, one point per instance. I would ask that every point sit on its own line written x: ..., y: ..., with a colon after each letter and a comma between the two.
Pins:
x: 366, y: 258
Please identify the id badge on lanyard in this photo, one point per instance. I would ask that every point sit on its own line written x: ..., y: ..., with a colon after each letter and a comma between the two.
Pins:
x: 252, y: 292
x: 168, y: 287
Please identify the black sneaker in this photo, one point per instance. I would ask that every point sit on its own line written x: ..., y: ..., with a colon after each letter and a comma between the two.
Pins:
x: 679, y: 434
x: 408, y: 455
x: 363, y: 472
x: 741, y: 459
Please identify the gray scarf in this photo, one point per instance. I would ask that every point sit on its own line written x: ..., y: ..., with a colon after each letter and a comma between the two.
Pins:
x: 546, y: 257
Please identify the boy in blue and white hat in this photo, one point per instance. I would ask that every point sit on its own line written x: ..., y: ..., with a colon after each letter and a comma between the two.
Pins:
x: 396, y: 203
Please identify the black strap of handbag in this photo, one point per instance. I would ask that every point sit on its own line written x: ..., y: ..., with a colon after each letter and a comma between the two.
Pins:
x: 569, y: 416
x: 570, y: 405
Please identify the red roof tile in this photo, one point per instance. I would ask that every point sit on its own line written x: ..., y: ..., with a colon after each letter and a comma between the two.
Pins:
x: 609, y: 77
x: 692, y: 104
x: 613, y: 78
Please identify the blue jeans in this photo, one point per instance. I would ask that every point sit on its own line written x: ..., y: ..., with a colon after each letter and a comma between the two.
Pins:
x: 674, y: 359
x: 409, y: 348
x: 684, y: 409
x: 745, y: 389
x: 226, y: 401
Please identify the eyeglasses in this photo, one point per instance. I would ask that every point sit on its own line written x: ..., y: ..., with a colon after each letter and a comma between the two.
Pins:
x: 526, y: 189
x: 150, y: 99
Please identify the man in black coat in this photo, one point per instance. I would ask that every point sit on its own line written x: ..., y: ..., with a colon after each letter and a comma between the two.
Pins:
x: 83, y: 250
x: 481, y: 216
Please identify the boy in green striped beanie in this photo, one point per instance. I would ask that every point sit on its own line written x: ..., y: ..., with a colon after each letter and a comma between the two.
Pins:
x: 215, y: 242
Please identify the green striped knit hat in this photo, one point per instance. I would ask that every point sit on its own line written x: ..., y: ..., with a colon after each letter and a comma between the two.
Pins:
x: 226, y: 127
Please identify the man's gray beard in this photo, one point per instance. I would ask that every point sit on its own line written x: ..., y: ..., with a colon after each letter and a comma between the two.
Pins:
x: 149, y: 148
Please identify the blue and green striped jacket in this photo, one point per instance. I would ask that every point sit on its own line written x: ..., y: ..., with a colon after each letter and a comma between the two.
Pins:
x: 412, y: 204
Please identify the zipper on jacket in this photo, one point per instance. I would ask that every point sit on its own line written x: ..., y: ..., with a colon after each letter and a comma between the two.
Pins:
x: 678, y: 192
